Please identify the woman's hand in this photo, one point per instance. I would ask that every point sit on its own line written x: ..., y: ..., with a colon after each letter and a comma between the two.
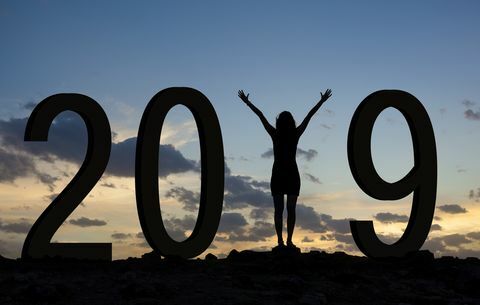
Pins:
x: 325, y: 96
x: 244, y: 97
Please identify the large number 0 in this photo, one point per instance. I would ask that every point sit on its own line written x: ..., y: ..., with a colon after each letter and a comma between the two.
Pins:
x: 212, y: 172
x: 37, y: 244
x: 422, y: 178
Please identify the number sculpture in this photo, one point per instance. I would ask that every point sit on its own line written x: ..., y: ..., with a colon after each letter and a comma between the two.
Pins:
x: 421, y: 180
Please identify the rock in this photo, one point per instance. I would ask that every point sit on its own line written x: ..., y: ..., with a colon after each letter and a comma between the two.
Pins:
x: 283, y: 250
x: 152, y: 256
x: 210, y: 257
x: 313, y: 299
x: 422, y: 256
x: 233, y: 254
x: 283, y: 276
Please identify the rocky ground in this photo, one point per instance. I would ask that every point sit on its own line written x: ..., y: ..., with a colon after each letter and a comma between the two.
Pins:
x: 245, y: 277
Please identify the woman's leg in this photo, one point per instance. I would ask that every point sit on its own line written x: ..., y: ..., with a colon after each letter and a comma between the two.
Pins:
x: 291, y: 204
x: 278, y: 215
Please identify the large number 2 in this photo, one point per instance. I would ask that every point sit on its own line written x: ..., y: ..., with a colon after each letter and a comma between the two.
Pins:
x: 37, y: 243
x: 212, y: 172
x: 422, y: 178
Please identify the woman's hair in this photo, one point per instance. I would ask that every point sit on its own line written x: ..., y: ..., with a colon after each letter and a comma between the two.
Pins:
x: 285, y: 123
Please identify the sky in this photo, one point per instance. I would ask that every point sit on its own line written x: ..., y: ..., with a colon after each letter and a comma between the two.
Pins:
x: 284, y: 54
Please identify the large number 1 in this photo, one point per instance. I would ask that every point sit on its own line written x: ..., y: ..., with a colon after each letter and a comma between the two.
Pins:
x: 212, y: 172
x: 422, y: 178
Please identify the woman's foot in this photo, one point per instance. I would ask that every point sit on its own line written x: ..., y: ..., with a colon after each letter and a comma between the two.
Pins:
x: 280, y: 246
x: 290, y: 244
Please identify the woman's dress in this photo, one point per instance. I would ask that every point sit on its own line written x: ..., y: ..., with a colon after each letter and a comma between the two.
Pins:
x: 285, y: 176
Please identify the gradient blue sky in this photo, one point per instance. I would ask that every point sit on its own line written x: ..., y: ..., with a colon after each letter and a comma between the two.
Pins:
x: 282, y: 52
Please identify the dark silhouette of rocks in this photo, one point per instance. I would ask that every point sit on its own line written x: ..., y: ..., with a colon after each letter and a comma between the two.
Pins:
x: 283, y: 276
x: 210, y: 257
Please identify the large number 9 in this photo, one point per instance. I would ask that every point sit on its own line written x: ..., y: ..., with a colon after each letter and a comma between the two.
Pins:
x: 422, y: 178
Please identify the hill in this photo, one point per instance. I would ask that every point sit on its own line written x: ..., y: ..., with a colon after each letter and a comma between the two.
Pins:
x: 246, y: 277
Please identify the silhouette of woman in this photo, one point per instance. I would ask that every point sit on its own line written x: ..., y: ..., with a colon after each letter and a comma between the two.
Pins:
x: 285, y: 177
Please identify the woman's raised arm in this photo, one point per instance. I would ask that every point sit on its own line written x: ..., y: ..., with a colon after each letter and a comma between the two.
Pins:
x: 324, y: 97
x: 269, y: 128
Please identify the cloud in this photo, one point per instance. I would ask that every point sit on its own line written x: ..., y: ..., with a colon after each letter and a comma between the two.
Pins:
x: 474, y: 195
x: 189, y: 199
x: 21, y: 208
x: 468, y: 103
x: 237, y: 229
x: 234, y: 227
x: 469, y: 113
x: 390, y: 218
x: 337, y: 225
x: 109, y: 185
x: 388, y: 239
x: 122, y: 160
x: 258, y: 184
x: 307, y: 239
x: 436, y: 227
x: 267, y: 154
x: 308, y: 155
x: 87, y: 222
x: 329, y: 112
x: 141, y: 244
x: 455, y: 240
x: 452, y: 209
x: 453, y: 244
x: 474, y: 235
x: 67, y: 141
x: 308, y: 219
x: 11, y: 247
x: 327, y: 237
x: 47, y: 180
x: 435, y: 245
x: 472, y: 115
x: 232, y: 223
x: 22, y: 226
x: 260, y: 231
x: 344, y: 238
x: 121, y: 236
x: 13, y: 166
x: 312, y: 178
x: 240, y: 193
x: 51, y: 197
x: 177, y: 227
x: 350, y: 245
x: 67, y: 138
x: 260, y: 214
x: 29, y: 105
